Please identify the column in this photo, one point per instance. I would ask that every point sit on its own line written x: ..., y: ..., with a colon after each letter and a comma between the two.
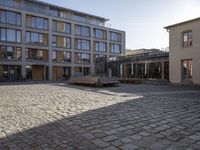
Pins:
x: 50, y: 50
x: 145, y: 68
x: 72, y: 52
x: 23, y: 69
x: 121, y: 70
x: 163, y: 70
x: 92, y: 66
x: 131, y: 68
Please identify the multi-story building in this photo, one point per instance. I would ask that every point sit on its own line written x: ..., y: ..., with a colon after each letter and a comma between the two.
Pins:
x: 40, y: 41
x: 184, y: 45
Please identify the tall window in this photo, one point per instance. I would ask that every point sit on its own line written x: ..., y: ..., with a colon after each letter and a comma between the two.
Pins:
x: 37, y: 54
x: 61, y: 27
x: 61, y: 56
x: 10, y: 35
x: 82, y: 58
x: 82, y: 30
x: 187, y: 69
x: 115, y: 48
x: 115, y: 36
x: 100, y: 34
x: 62, y: 42
x: 10, y: 53
x: 100, y: 46
x: 10, y: 17
x: 36, y: 38
x: 36, y: 22
x: 82, y: 44
x: 187, y: 39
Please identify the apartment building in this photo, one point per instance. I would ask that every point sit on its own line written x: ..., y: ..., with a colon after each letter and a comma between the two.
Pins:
x: 184, y: 45
x: 40, y: 41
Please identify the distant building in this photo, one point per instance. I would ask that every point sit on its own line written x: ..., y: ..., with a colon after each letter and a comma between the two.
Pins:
x: 184, y: 45
x: 140, y: 51
x: 41, y: 41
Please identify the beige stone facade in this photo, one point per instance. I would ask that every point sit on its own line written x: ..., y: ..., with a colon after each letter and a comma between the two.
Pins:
x: 184, y: 45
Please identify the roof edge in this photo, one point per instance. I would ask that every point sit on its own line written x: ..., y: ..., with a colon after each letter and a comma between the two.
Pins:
x: 181, y: 23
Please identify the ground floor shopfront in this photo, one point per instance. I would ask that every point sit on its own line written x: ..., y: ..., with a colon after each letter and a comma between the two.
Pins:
x: 40, y: 72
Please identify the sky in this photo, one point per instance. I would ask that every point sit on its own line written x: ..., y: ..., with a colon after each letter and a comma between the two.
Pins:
x: 142, y: 20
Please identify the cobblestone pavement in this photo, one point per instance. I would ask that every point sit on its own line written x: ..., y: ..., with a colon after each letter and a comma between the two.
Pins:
x: 49, y: 116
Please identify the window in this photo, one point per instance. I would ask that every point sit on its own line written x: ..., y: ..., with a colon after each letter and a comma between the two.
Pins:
x: 79, y: 18
x: 82, y: 44
x: 10, y: 35
x: 37, y: 54
x: 115, y: 36
x: 187, y: 69
x: 100, y: 34
x: 100, y: 46
x: 62, y: 42
x: 99, y: 58
x: 10, y: 53
x: 54, y: 56
x: 63, y: 56
x: 115, y: 48
x: 187, y: 39
x: 61, y: 27
x: 10, y: 17
x: 3, y: 34
x: 36, y: 22
x: 82, y: 58
x: 82, y: 31
x: 36, y: 38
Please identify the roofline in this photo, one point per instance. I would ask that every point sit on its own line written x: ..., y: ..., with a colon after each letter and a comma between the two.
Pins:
x: 67, y: 9
x: 181, y: 23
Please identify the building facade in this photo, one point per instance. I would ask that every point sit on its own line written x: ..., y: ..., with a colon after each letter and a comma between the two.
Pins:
x: 40, y: 41
x: 184, y: 45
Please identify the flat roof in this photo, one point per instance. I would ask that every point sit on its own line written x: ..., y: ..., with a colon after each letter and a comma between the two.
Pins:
x: 67, y: 9
x: 181, y: 23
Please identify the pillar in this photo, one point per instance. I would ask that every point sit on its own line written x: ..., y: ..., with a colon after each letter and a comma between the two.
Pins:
x: 121, y: 70
x: 163, y: 70
x: 131, y: 68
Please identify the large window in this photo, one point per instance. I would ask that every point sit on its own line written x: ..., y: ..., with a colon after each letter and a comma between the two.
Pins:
x: 36, y: 22
x: 187, y: 39
x: 10, y: 35
x: 100, y: 34
x: 36, y: 38
x: 100, y: 46
x: 61, y: 27
x: 82, y: 58
x: 79, y: 18
x: 11, y: 3
x: 61, y: 42
x: 10, y: 17
x: 115, y: 48
x: 82, y: 44
x: 61, y: 56
x: 10, y: 53
x: 187, y: 69
x: 37, y: 54
x: 82, y: 30
x: 115, y: 36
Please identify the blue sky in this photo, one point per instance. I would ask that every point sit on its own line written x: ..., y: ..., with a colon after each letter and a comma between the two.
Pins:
x: 143, y: 20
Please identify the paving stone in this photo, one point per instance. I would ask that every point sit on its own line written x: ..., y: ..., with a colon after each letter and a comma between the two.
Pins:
x: 136, y: 137
x: 100, y: 143
x: 129, y: 147
x: 110, y: 138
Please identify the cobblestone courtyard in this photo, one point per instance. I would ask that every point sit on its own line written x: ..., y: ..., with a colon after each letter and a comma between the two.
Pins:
x: 59, y: 116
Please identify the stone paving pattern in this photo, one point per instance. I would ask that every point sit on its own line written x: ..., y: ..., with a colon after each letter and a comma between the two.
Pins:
x: 49, y: 116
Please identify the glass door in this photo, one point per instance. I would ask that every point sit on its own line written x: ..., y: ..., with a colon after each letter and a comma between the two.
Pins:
x: 187, y: 69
